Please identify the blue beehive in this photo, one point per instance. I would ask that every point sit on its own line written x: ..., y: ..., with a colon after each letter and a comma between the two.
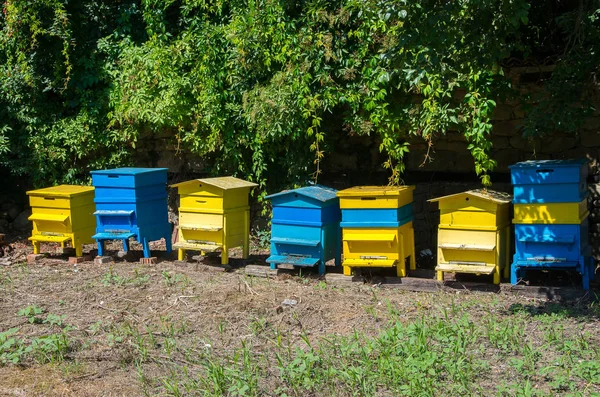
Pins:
x: 545, y: 191
x: 305, y: 227
x: 549, y: 181
x: 131, y: 202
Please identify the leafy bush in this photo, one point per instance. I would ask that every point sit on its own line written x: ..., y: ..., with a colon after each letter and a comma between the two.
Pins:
x: 255, y: 87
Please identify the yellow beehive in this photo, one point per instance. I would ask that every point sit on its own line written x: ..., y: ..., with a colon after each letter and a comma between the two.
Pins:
x: 376, y: 197
x: 379, y: 247
x: 551, y: 213
x: 377, y: 228
x: 61, y: 214
x: 474, y: 233
x: 214, y: 215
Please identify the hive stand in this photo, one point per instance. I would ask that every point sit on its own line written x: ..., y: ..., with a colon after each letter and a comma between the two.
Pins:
x: 131, y: 203
x: 214, y: 215
x: 474, y: 234
x: 377, y: 229
x: 305, y: 228
x: 62, y: 214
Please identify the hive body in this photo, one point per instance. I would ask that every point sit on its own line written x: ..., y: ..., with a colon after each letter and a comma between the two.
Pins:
x: 551, y: 225
x: 305, y: 229
x: 377, y: 229
x: 474, y: 233
x: 214, y: 215
x: 61, y: 214
x: 131, y: 202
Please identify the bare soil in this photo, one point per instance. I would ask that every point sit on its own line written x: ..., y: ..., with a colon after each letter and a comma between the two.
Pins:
x: 199, y: 304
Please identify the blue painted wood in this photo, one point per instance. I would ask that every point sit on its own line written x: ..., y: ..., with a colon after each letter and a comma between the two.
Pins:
x: 549, y: 181
x: 131, y: 201
x: 305, y: 228
x: 377, y: 217
x: 553, y: 247
x: 565, y: 242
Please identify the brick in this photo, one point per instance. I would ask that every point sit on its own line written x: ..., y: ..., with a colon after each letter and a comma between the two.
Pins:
x: 33, y: 258
x: 102, y: 260
x: 149, y: 261
x: 73, y: 260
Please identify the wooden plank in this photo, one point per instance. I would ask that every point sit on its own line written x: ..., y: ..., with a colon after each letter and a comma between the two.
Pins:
x: 562, y: 294
x: 412, y: 284
x: 337, y: 278
x: 471, y: 286
x: 260, y: 271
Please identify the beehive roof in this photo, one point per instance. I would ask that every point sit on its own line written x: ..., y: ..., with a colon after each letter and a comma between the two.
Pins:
x: 224, y: 182
x: 61, y: 191
x: 485, y: 194
x: 374, y: 191
x: 549, y: 163
x: 128, y: 171
x: 317, y: 192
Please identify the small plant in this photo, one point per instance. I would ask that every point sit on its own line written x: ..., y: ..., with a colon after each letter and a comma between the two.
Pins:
x: 171, y: 280
x: 112, y: 278
x: 31, y: 313
x: 261, y: 239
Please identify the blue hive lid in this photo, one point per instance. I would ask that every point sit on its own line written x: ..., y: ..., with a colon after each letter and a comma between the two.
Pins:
x: 549, y: 163
x: 128, y: 171
x: 315, y: 192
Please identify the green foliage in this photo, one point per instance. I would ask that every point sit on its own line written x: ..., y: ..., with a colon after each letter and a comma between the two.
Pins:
x: 48, y: 348
x: 113, y: 278
x: 31, y: 312
x: 256, y: 86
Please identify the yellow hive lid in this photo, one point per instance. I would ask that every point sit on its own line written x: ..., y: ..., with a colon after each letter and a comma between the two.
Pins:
x: 485, y: 194
x: 375, y: 191
x: 224, y: 183
x: 61, y: 191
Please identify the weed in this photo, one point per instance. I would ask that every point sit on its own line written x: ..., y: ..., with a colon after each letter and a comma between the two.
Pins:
x: 261, y: 239
x: 171, y: 280
x: 31, y: 312
x: 112, y: 278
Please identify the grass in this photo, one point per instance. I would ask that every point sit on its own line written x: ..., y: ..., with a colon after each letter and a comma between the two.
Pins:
x: 180, y: 332
x: 430, y: 356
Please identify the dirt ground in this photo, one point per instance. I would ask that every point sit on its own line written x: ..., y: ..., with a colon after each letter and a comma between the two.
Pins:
x: 110, y: 305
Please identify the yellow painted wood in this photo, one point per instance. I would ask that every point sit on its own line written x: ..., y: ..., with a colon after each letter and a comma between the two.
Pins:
x: 483, y: 209
x: 551, y: 213
x: 214, y: 213
x: 376, y: 196
x: 471, y: 250
x: 474, y: 233
x: 61, y: 214
x: 379, y: 247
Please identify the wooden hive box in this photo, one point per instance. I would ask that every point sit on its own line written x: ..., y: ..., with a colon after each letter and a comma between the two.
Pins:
x: 377, y: 229
x: 214, y: 215
x: 131, y: 203
x: 305, y: 228
x: 551, y: 217
x: 549, y: 181
x: 61, y: 214
x: 474, y: 233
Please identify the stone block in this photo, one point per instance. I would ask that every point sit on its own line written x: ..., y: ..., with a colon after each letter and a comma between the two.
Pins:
x: 558, y: 143
x: 507, y: 128
x: 149, y: 261
x: 33, y: 258
x: 503, y: 112
x: 589, y: 138
x: 102, y: 260
x: 73, y: 260
x: 500, y: 142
